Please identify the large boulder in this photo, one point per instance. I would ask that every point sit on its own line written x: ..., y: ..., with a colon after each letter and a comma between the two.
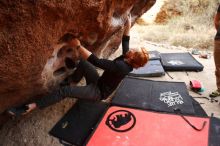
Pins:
x: 30, y: 29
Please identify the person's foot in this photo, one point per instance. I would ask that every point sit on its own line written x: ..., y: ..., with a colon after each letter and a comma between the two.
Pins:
x: 17, y: 111
x: 214, y: 94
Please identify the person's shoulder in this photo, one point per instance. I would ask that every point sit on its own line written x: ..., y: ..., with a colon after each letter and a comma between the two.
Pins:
x: 121, y: 57
x: 120, y: 62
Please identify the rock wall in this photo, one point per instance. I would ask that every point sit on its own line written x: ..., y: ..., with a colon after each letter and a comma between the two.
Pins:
x: 30, y: 29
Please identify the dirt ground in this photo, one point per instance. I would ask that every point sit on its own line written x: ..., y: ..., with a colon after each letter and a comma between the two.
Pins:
x: 33, y: 129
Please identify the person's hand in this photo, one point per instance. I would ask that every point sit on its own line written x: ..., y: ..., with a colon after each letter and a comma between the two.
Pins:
x: 74, y: 43
x: 31, y: 107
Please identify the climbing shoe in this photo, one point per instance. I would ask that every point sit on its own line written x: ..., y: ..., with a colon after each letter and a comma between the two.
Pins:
x: 17, y: 111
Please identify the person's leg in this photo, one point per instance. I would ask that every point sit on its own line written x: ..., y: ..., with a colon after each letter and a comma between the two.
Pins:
x: 88, y: 71
x: 85, y: 69
x: 217, y: 63
x: 90, y: 92
x: 217, y: 67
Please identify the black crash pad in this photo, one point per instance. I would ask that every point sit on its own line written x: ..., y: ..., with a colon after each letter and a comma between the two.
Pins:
x: 78, y: 123
x: 152, y: 69
x: 154, y: 95
x: 154, y: 55
x: 180, y: 62
x: 214, y: 133
x: 199, y: 111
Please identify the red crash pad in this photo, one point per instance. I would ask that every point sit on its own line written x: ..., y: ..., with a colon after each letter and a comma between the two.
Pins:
x: 133, y: 127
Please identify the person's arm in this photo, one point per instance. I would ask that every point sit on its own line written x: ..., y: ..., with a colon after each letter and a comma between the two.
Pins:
x: 125, y: 44
x: 217, y: 18
x: 104, y: 64
x: 126, y: 36
x: 87, y: 55
x: 84, y: 53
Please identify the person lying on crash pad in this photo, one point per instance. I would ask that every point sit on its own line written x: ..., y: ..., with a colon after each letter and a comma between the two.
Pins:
x: 98, y: 87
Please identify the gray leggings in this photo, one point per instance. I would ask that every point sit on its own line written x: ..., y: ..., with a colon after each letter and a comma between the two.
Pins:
x: 89, y: 91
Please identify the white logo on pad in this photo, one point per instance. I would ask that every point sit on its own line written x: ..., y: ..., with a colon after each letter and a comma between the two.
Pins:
x: 171, y: 99
x: 176, y: 62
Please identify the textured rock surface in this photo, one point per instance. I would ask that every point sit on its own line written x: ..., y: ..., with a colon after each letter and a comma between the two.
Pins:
x: 30, y: 28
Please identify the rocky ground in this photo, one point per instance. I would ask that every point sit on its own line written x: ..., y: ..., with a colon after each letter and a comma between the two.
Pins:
x: 33, y: 129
